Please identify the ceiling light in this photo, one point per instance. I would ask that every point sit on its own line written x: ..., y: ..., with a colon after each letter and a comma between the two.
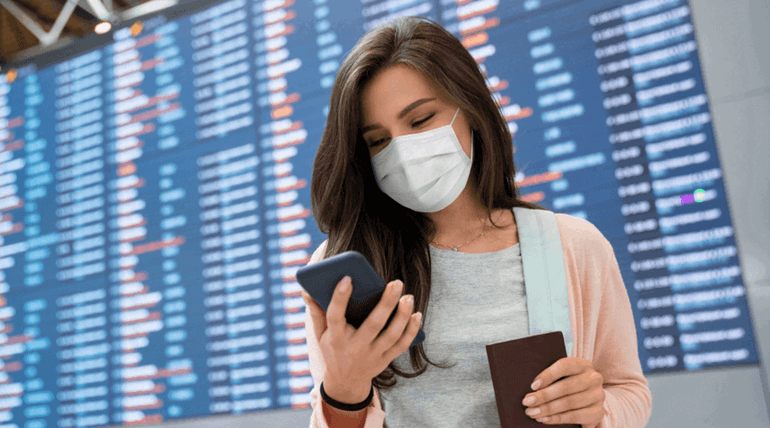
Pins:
x: 102, y: 27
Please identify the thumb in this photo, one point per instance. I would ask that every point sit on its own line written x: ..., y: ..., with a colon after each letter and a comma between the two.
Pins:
x: 315, y: 318
x: 311, y: 302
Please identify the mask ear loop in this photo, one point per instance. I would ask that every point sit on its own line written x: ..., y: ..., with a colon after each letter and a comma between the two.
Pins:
x: 453, y: 119
x: 471, y: 146
x: 452, y: 122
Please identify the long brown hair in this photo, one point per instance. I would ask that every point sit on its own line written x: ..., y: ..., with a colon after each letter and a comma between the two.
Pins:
x: 347, y: 203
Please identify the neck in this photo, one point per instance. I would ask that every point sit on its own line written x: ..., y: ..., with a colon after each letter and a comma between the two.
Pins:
x: 462, y: 220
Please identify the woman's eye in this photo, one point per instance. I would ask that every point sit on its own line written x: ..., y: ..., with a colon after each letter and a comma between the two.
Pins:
x: 420, y: 122
x: 414, y: 125
x: 377, y: 143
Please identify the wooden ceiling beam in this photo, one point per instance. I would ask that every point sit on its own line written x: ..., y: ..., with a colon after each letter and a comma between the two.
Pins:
x: 14, y: 37
x: 48, y: 10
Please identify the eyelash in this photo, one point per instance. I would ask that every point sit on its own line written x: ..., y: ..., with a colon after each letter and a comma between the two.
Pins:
x: 416, y: 124
x: 422, y: 121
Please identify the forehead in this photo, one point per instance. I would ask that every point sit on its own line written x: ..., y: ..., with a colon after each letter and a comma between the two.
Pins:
x: 392, y: 89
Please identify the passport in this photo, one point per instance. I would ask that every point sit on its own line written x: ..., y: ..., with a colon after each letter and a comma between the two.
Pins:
x: 514, y: 364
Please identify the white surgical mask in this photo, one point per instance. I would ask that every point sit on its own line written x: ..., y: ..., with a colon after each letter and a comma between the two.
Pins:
x: 424, y: 172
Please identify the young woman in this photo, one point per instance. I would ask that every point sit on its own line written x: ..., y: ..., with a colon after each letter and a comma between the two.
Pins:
x: 415, y: 171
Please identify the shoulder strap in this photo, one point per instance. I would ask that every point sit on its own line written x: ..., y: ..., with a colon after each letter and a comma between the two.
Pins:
x: 545, y: 277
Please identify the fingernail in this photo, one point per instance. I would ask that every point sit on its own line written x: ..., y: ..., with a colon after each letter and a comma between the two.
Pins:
x: 536, y: 384
x: 545, y: 419
x: 345, y: 284
x: 529, y: 401
x: 532, y: 412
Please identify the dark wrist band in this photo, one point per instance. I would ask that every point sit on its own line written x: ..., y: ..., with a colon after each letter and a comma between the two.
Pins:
x: 349, y: 407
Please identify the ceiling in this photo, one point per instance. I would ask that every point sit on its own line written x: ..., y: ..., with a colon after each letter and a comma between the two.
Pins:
x: 15, y: 37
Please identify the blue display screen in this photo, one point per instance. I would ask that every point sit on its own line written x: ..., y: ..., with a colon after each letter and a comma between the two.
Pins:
x: 155, y: 203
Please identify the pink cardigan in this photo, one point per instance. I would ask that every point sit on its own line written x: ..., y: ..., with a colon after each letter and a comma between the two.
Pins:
x: 603, y: 330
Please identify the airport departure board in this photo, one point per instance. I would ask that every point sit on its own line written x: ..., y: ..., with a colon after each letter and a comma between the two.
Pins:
x: 154, y: 193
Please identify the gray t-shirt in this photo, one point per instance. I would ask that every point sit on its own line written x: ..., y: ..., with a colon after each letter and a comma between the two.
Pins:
x: 475, y: 300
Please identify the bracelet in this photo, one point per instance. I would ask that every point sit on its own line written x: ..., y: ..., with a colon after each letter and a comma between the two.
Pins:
x: 349, y: 407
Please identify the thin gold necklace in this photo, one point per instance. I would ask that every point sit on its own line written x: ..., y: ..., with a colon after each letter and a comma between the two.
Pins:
x: 456, y: 248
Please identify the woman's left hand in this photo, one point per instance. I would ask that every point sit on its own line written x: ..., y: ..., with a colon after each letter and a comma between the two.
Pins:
x: 576, y: 399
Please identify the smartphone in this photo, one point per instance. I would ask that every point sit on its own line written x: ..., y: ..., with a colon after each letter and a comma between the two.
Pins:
x: 321, y: 279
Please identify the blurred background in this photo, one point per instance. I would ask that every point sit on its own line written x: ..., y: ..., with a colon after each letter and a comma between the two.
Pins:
x: 155, y: 161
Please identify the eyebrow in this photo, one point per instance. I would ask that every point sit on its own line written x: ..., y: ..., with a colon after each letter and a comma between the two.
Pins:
x: 403, y: 113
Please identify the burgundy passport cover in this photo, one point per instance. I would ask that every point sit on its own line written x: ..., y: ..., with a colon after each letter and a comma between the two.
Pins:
x: 514, y: 365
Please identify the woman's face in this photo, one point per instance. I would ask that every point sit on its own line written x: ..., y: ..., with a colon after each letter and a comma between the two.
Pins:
x: 400, y: 101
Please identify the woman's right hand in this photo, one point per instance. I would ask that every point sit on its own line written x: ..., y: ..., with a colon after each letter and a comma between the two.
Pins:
x: 353, y: 357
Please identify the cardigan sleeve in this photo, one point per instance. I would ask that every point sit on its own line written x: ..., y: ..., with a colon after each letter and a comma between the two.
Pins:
x: 628, y: 401
x: 375, y: 416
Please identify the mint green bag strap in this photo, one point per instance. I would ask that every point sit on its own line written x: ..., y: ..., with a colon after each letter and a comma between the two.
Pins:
x: 545, y: 277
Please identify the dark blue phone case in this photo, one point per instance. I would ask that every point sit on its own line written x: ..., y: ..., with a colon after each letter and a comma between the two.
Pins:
x: 321, y: 279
